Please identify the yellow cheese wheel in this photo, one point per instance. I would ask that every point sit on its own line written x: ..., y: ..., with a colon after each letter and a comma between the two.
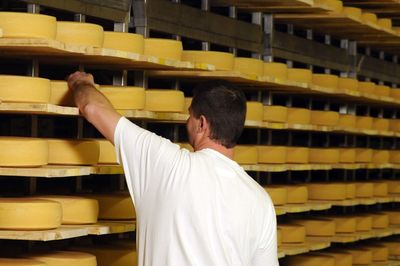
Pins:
x: 115, y: 206
x: 382, y: 90
x: 395, y: 93
x: 380, y: 124
x: 342, y: 258
x: 164, y: 100
x: 245, y: 154
x: 381, y: 189
x: 279, y: 237
x: 23, y: 152
x: 324, y: 155
x: 107, y: 152
x: 318, y: 227
x: 350, y: 190
x: 347, y: 155
x: 271, y: 154
x: 29, y: 214
x: 278, y: 194
x: 124, y: 41
x: 300, y: 75
x: 60, y: 94
x: 360, y: 255
x: 249, y: 66
x: 363, y: 223
x: 292, y: 233
x: 25, y: 25
x: 347, y: 121
x: 366, y: 87
x: 380, y: 252
x: 221, y: 60
x: 347, y: 84
x: 24, y: 89
x: 334, y: 5
x: 394, y: 125
x: 277, y: 70
x: 325, y: 80
x: 275, y: 113
x: 124, y: 97
x: 394, y: 217
x: 352, y: 12
x: 326, y: 191
x: 380, y: 156
x: 75, y: 210
x: 309, y: 260
x: 369, y: 18
x: 163, y: 48
x: 79, y: 33
x: 364, y: 189
x: 393, y: 186
x: 255, y: 111
x: 297, y: 155
x: 343, y: 224
x: 394, y: 157
x: 188, y: 103
x: 65, y: 258
x: 186, y: 146
x: 297, y: 194
x: 73, y: 152
x: 385, y: 23
x: 380, y: 220
x: 113, y: 255
x: 298, y: 116
x: 364, y: 155
x: 20, y: 262
x: 324, y: 118
x: 392, y: 245
x: 364, y: 122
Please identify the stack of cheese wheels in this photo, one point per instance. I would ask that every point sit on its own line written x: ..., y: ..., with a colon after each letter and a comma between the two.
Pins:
x: 379, y: 220
x: 298, y: 116
x: 245, y: 154
x: 271, y: 154
x: 324, y: 118
x: 360, y: 255
x: 380, y: 124
x: 124, y: 41
x: 326, y: 81
x: 275, y: 113
x: 107, y: 153
x: 60, y: 93
x: 380, y: 253
x: 79, y: 33
x: 395, y: 93
x: 342, y: 258
x: 23, y: 152
x: 125, y: 97
x: 350, y: 190
x: 385, y: 23
x: 249, y: 66
x: 310, y: 259
x: 20, y: 262
x: 380, y: 156
x: 317, y: 226
x: 255, y: 111
x: 369, y: 18
x: 115, y: 254
x: 297, y: 155
x: 324, y: 155
x: 394, y: 125
x: 347, y: 121
x: 347, y: 155
x: 164, y: 100
x: 163, y: 48
x: 364, y: 122
x: 300, y: 75
x: 393, y: 245
x: 394, y: 217
x: 364, y: 189
x: 394, y: 157
x: 115, y: 206
x: 29, y: 214
x: 343, y: 224
x: 326, y: 191
x: 363, y: 222
x: 65, y: 258
x: 292, y: 233
x: 381, y: 189
x: 347, y: 84
x: 25, y: 25
x: 75, y: 210
x: 352, y: 12
x: 363, y: 155
x: 276, y: 70
x: 393, y: 186
x: 366, y: 87
x: 73, y: 152
x: 277, y: 193
x: 297, y: 194
x: 188, y: 103
x: 382, y: 90
x: 24, y: 89
x: 221, y: 60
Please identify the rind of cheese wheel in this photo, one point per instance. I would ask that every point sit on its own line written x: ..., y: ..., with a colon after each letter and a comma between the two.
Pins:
x: 343, y: 224
x: 113, y: 255
x: 347, y: 121
x: 297, y: 155
x: 379, y: 252
x: 60, y: 93
x: 277, y: 70
x: 300, y: 75
x: 363, y: 223
x: 278, y: 194
x: 318, y: 227
x: 25, y: 25
x: 380, y: 156
x: 245, y: 154
x: 65, y: 258
x: 278, y: 237
x: 360, y: 255
x: 297, y: 194
x: 350, y: 190
x: 394, y: 157
x: 385, y: 23
x: 369, y: 18
x: 29, y: 214
x: 342, y: 258
x: 347, y: 84
x: 164, y: 100
x: 249, y: 66
x: 394, y: 217
x: 23, y: 152
x: 188, y: 102
x: 323, y: 155
x: 380, y: 220
x: 325, y: 80
x: 107, y: 153
x: 334, y: 5
x: 75, y: 210
x: 380, y: 124
x: 24, y: 89
x: 124, y: 41
x: 20, y: 262
x: 364, y: 122
x: 395, y: 93
x: 73, y: 152
x: 366, y: 87
x: 115, y: 206
x: 125, y: 98
x: 221, y: 60
x: 271, y: 154
x: 79, y: 33
x: 292, y: 233
x: 324, y: 118
x: 392, y: 245
x: 275, y: 113
x: 393, y: 186
x: 363, y: 155
x: 364, y: 189
x: 382, y: 90
x: 298, y: 116
x: 347, y: 155
x: 163, y: 48
x: 352, y: 12
x: 394, y: 125
x: 309, y: 259
x: 326, y: 191
x: 380, y: 189
x: 255, y: 111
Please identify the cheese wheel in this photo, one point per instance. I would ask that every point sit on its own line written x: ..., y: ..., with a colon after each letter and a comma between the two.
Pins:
x: 363, y: 223
x: 369, y: 18
x: 29, y: 214
x: 278, y: 237
x: 115, y: 206
x: 363, y: 155
x: 342, y: 258
x: 60, y: 94
x: 79, y: 33
x: 20, y: 262
x: 352, y: 12
x: 75, y: 210
x: 333, y: 5
x: 300, y: 75
x: 350, y: 190
x: 26, y: 25
x: 65, y: 258
x: 249, y: 66
x: 394, y: 125
x: 163, y: 48
x: 325, y: 80
x: 277, y: 70
x: 317, y: 227
x: 382, y: 90
x: 107, y: 153
x: 297, y: 155
x: 271, y: 154
x: 297, y: 194
x: 255, y: 111
x: 395, y: 93
x: 221, y: 60
x: 364, y: 122
x: 326, y: 191
x: 380, y: 156
x: 323, y: 155
x: 275, y: 113
x: 381, y: 189
x: 366, y: 87
x: 245, y: 154
x: 380, y: 252
x: 24, y: 89
x: 347, y: 155
x: 164, y: 100
x: 324, y: 118
x: 347, y: 121
x: 394, y: 157
x: 186, y: 146
x: 343, y: 224
x: 188, y: 103
x: 298, y: 116
x: 73, y: 152
x: 347, y: 84
x: 380, y: 124
x: 392, y: 245
x: 124, y: 41
x: 385, y: 23
x: 23, y: 152
x: 309, y: 260
x: 393, y: 186
x: 360, y: 255
x: 364, y: 189
x: 278, y: 194
x: 113, y: 255
x: 292, y: 233
x: 394, y: 217
x: 380, y: 220
x: 124, y: 98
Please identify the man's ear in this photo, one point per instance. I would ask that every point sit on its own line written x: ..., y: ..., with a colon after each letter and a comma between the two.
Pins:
x: 203, y: 124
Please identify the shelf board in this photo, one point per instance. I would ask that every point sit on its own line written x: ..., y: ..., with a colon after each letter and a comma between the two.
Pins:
x: 104, y: 227
x: 49, y: 171
x: 383, y: 8
x: 309, y: 245
x: 104, y: 169
x: 37, y: 108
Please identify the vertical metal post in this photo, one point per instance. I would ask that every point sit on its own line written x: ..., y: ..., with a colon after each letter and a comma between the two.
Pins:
x: 205, y: 5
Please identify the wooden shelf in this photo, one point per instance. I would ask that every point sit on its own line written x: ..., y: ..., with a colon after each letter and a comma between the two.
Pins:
x: 382, y: 8
x: 303, y: 207
x: 37, y: 108
x: 295, y: 249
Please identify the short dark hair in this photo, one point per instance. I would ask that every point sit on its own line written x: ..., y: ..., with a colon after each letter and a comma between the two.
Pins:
x: 224, y: 106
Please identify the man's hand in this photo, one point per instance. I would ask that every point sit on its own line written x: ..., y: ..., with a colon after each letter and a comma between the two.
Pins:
x: 78, y: 78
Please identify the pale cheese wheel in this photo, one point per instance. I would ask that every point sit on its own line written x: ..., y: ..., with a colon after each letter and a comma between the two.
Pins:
x: 29, y: 214
x: 381, y: 189
x: 368, y: 17
x: 297, y: 194
x: 363, y: 223
x: 115, y: 206
x: 255, y: 111
x: 113, y: 255
x: 317, y: 227
x: 385, y: 23
x: 360, y: 255
x: 245, y: 154
x: 188, y: 103
x: 380, y: 220
x: 221, y: 60
x: 342, y: 258
x: 278, y: 237
x: 347, y: 84
x: 124, y: 97
x: 364, y: 122
x: 278, y: 194
x: 65, y: 258
x: 124, y: 41
x: 395, y: 93
x: 163, y: 48
x: 249, y: 66
x: 292, y: 233
x: 347, y: 121
x: 325, y: 80
x: 309, y: 260
x: 394, y: 217
x: 60, y: 94
x: 323, y: 155
x: 107, y: 153
x: 394, y: 157
x: 300, y: 75
x: 20, y: 262
x: 297, y: 155
x: 275, y: 113
x: 394, y: 125
x: 380, y: 253
x: 366, y: 87
x: 23, y: 152
x: 324, y: 118
x: 352, y: 12
x: 298, y: 116
x: 392, y: 245
x: 26, y: 25
x: 24, y: 89
x: 75, y: 210
x: 271, y: 154
x: 363, y: 155
x: 380, y: 124
x: 350, y: 190
x: 364, y: 189
x: 380, y: 156
x: 326, y: 191
x: 276, y: 70
x: 73, y: 152
x: 393, y: 186
x: 347, y: 155
x: 164, y: 100
x: 382, y: 90
x: 343, y: 224
x: 80, y: 33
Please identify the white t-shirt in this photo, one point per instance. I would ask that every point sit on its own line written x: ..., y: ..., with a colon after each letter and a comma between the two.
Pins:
x: 194, y: 208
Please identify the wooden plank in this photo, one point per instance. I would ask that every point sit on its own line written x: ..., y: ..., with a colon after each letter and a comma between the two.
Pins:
x: 49, y: 171
x: 37, y: 108
x: 111, y: 227
x: 63, y: 232
x: 107, y: 169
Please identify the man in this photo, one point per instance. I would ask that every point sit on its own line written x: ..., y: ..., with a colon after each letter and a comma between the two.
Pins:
x: 193, y: 208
